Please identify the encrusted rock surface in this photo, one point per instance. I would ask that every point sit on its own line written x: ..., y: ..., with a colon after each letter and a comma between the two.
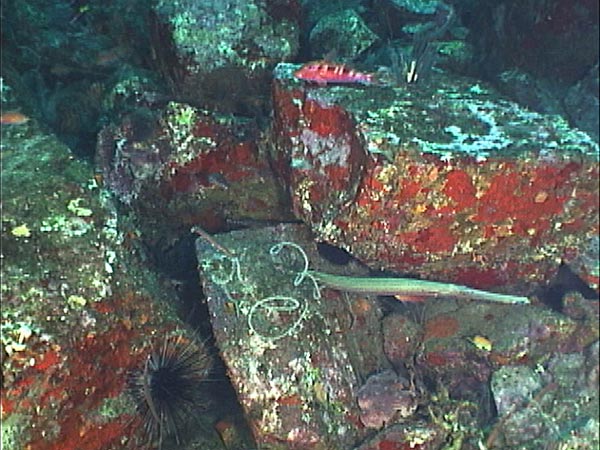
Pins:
x: 183, y: 166
x: 445, y: 179
x: 79, y: 310
x: 384, y: 397
x: 442, y: 179
x: 344, y: 32
x: 220, y: 54
x: 294, y: 357
x: 553, y: 402
x: 311, y: 365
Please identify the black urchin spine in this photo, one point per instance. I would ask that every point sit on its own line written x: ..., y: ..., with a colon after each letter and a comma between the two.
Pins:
x: 168, y: 389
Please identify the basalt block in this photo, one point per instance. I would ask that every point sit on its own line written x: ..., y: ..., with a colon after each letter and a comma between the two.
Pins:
x: 221, y: 54
x: 295, y: 354
x: 445, y: 180
x: 77, y: 319
x: 182, y: 166
x: 464, y: 342
x: 559, y: 401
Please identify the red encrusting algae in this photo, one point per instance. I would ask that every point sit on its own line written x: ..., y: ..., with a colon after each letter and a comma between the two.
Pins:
x: 84, y: 381
x: 440, y: 327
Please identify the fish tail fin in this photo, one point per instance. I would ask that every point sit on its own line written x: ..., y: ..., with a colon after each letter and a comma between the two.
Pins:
x: 410, y: 298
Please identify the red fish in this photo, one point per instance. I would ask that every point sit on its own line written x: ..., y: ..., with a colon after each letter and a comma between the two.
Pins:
x: 324, y: 72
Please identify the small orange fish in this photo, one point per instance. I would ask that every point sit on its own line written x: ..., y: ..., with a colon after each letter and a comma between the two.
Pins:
x: 324, y: 72
x: 13, y: 118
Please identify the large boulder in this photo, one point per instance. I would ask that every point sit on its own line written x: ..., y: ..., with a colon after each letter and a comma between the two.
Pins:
x: 444, y: 179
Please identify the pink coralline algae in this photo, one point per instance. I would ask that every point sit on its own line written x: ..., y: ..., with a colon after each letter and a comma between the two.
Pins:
x: 384, y: 399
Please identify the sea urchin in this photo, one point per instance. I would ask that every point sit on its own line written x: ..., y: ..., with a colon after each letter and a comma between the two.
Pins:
x: 167, y: 390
